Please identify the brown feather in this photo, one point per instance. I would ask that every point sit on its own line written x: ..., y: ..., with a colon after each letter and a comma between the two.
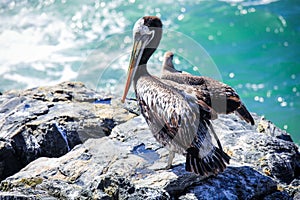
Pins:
x: 175, y: 117
x: 218, y: 96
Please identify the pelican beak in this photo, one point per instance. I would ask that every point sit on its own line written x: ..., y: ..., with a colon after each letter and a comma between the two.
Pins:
x: 139, y: 45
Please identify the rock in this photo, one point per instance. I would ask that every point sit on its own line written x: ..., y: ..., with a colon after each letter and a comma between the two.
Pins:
x: 238, y: 183
x: 49, y: 121
x: 274, y: 155
x: 252, y: 157
x: 99, y: 168
x: 116, y: 156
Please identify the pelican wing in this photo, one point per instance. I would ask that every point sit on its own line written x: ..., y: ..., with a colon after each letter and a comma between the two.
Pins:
x: 169, y: 114
x: 217, y: 95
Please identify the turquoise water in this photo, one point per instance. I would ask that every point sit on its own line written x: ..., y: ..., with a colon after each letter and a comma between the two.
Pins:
x: 253, y: 46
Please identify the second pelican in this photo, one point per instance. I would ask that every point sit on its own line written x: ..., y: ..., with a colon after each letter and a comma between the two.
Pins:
x: 220, y: 97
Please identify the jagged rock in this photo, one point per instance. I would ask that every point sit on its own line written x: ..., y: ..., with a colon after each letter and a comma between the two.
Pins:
x: 99, y: 168
x: 49, y: 121
x: 129, y: 163
x: 251, y: 152
x: 270, y: 154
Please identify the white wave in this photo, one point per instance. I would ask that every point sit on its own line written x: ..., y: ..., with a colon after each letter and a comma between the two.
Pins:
x: 250, y: 2
x: 30, y: 39
x: 67, y: 74
x: 23, y: 48
x: 30, y: 81
x: 51, y: 43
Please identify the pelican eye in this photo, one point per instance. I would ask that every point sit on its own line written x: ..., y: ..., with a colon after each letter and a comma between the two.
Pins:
x: 144, y: 30
x: 141, y: 29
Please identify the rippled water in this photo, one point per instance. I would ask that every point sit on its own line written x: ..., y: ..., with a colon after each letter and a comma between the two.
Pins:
x: 251, y: 45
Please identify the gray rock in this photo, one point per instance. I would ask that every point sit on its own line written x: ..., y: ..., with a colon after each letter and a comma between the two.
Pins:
x: 272, y: 155
x: 238, y: 183
x: 127, y: 162
x: 49, y: 121
x: 97, y: 169
x: 253, y: 170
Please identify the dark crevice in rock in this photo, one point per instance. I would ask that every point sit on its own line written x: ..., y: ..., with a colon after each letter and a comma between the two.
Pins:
x: 103, y: 101
x: 108, y: 125
x: 8, y: 158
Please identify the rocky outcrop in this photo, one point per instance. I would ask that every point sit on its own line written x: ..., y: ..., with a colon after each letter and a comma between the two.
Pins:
x: 72, y: 143
x: 50, y: 121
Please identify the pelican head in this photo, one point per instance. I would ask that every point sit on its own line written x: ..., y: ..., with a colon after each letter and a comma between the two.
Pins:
x: 147, y: 33
x: 168, y: 60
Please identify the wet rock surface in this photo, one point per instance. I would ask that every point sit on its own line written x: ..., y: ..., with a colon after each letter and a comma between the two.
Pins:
x: 68, y: 142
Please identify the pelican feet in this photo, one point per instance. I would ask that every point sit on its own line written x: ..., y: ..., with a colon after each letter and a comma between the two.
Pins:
x: 170, y: 161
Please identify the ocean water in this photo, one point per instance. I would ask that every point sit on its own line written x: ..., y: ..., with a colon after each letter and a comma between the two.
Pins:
x: 252, y: 45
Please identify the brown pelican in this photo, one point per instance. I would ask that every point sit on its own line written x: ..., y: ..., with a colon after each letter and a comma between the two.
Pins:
x: 220, y: 97
x: 174, y: 115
